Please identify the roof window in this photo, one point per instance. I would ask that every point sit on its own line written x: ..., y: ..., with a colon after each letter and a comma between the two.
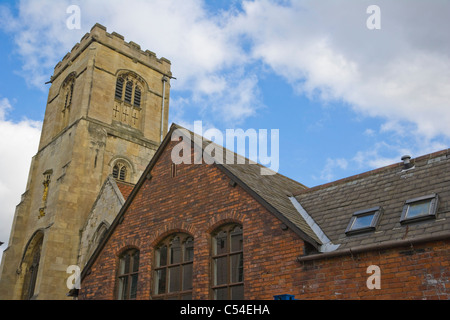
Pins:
x: 420, y: 208
x: 364, y: 221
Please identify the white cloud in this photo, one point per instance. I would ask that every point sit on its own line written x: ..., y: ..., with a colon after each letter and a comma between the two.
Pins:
x: 323, y: 48
x: 18, y: 144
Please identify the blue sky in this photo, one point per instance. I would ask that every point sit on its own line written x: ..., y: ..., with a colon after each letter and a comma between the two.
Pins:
x: 344, y: 98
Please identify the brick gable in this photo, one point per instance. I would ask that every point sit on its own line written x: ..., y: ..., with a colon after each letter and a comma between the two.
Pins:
x: 197, y: 201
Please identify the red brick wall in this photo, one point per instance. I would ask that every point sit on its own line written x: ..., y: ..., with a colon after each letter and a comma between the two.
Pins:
x: 421, y: 272
x: 200, y: 199
x: 197, y: 201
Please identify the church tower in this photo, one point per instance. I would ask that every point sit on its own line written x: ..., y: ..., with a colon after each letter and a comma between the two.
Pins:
x: 106, y: 114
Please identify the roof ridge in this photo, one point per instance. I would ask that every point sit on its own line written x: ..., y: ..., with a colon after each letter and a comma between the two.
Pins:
x: 372, y: 172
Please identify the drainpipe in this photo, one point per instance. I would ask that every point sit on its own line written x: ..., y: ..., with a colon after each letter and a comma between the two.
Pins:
x: 164, y: 80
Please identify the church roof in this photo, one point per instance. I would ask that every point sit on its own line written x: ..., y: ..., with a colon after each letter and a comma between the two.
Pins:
x: 125, y: 188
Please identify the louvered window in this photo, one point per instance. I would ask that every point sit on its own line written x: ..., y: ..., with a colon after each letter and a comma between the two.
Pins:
x: 137, y: 97
x: 119, y: 88
x: 128, y: 91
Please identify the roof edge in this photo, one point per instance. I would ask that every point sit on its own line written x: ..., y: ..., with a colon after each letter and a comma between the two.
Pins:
x: 372, y: 172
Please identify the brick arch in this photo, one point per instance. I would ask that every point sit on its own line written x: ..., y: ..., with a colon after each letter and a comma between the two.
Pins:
x: 224, y: 218
x: 125, y: 246
x: 170, y: 228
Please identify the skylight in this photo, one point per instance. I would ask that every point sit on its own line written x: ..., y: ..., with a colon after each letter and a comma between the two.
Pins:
x: 363, y: 221
x: 419, y: 208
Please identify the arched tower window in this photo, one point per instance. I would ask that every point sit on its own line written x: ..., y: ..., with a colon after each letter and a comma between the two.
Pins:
x: 31, y: 266
x: 67, y: 96
x: 128, y: 99
x: 173, y: 268
x: 120, y: 171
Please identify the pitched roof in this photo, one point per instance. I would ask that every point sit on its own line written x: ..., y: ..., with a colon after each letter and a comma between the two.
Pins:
x: 332, y: 205
x: 272, y: 190
x: 125, y: 188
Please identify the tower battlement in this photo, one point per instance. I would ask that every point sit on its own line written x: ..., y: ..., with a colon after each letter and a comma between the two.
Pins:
x: 115, y: 41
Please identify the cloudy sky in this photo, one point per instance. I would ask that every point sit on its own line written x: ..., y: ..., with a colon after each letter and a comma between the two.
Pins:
x: 345, y: 98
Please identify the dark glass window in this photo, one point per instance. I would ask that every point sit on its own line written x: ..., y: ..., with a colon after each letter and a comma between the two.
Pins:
x: 364, y: 220
x: 228, y: 263
x: 128, y: 275
x: 421, y: 208
x: 173, y: 268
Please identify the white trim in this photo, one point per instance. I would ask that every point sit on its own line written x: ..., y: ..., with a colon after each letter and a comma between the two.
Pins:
x: 327, y: 245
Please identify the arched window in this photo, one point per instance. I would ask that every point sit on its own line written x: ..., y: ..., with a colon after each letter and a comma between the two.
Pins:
x: 31, y: 262
x: 128, y: 99
x: 67, y: 95
x: 120, y: 171
x: 173, y: 268
x: 228, y: 263
x: 127, y: 275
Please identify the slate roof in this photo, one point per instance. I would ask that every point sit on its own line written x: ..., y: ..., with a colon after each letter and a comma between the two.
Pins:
x: 273, y: 190
x: 332, y: 205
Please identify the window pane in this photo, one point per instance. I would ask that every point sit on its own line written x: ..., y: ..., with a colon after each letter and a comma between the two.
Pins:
x: 189, y: 250
x: 160, y: 281
x: 123, y: 285
x: 237, y: 268
x: 221, y: 294
x: 418, y: 209
x: 236, y: 239
x: 133, y: 290
x: 237, y: 292
x: 187, y: 277
x: 162, y: 255
x: 220, y: 240
x: 174, y: 279
x: 363, y: 221
x: 136, y: 262
x: 220, y: 271
x: 175, y: 251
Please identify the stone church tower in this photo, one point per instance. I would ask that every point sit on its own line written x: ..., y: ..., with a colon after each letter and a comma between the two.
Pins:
x: 106, y: 114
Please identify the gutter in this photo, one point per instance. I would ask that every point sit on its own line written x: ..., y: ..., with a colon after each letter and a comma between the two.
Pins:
x: 373, y: 247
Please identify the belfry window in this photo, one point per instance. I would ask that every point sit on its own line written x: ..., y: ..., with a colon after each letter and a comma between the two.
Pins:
x: 129, y: 99
x: 119, y: 88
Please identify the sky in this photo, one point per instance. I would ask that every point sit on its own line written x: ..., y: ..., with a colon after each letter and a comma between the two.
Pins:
x: 345, y: 97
